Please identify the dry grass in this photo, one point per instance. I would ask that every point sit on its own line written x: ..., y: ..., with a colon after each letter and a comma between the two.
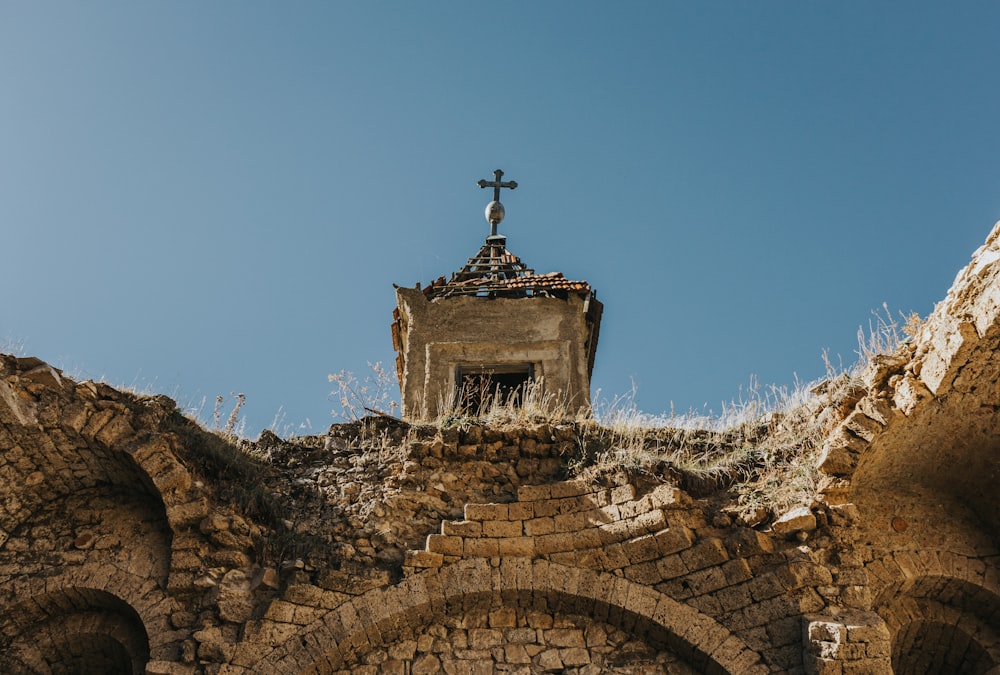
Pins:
x: 530, y: 404
x: 373, y: 394
x: 764, y: 447
x: 762, y: 450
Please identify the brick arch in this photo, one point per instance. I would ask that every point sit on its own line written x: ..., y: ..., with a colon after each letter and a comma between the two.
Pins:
x: 169, y: 478
x: 76, y: 589
x: 73, y: 630
x: 381, y: 616
x: 144, y: 464
x: 928, y: 573
x: 930, y: 636
x: 941, y: 609
x: 65, y: 437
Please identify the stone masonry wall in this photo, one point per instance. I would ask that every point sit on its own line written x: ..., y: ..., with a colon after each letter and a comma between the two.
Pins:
x: 132, y: 541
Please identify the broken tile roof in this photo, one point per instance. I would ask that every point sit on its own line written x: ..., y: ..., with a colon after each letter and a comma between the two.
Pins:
x: 496, y: 272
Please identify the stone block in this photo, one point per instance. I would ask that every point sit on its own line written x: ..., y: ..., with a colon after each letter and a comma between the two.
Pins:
x: 550, y: 660
x: 862, y: 426
x: 279, y: 610
x: 564, y: 637
x: 745, y: 542
x: 840, y: 453
x: 485, y: 638
x: 868, y: 667
x: 481, y: 548
x: 424, y: 559
x: 766, y: 586
x: 705, y: 554
x: 647, y: 573
x: 589, y: 537
x: 404, y: 650
x: 800, y: 574
x: 171, y: 668
x: 613, y: 532
x: 622, y: 493
x: 392, y: 667
x: 950, y: 345
x: 574, y: 657
x: 607, y: 513
x: 521, y: 511
x: 502, y: 528
x: 552, y: 543
x: 482, y: 512
x: 445, y: 545
x: 537, y: 527
x: 505, y: 617
x: 571, y: 488
x: 645, y: 523
x: 822, y: 630
x: 736, y: 571
x: 547, y: 508
x: 641, y: 549
x: 613, y: 557
x: 667, y: 495
x: 115, y: 432
x: 461, y: 528
x: 799, y: 519
x: 734, y: 598
x: 538, y: 619
x: 674, y: 539
x: 516, y: 546
x: 634, y: 508
x: 671, y: 567
x: 705, y: 581
x: 570, y: 522
x: 516, y: 654
x: 425, y: 665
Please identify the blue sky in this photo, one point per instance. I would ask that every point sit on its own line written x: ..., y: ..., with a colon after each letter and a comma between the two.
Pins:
x: 205, y: 198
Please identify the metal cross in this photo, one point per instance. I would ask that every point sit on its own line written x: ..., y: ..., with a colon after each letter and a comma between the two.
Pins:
x: 496, y: 184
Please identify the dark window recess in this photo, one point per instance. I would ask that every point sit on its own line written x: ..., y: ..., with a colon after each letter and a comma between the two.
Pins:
x: 479, y: 387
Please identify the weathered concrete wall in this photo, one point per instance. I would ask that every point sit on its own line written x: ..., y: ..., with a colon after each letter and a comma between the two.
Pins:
x: 549, y: 333
x: 132, y: 541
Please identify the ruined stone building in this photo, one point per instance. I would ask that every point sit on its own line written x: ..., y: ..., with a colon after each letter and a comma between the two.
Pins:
x: 491, y: 329
x: 133, y: 541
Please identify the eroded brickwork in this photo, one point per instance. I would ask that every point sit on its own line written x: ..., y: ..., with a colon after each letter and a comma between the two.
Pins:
x: 132, y: 541
x: 520, y: 641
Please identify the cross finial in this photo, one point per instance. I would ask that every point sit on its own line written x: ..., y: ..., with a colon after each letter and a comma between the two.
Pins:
x: 495, y: 210
x: 496, y: 184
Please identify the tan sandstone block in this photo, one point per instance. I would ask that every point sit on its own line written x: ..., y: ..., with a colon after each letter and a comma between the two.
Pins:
x: 571, y: 488
x: 674, y: 539
x: 570, y: 522
x: 423, y: 559
x: 622, y: 494
x: 552, y: 543
x: 502, y: 528
x: 439, y: 543
x: 531, y: 493
x: 647, y: 522
x: 516, y: 546
x: 574, y: 657
x: 537, y: 527
x: 461, y: 528
x: 482, y: 548
x: 641, y: 549
x: 484, y: 512
x: 564, y: 637
x: 707, y: 553
x: 521, y: 511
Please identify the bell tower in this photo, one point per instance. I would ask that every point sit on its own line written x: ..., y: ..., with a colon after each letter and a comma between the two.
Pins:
x: 494, y: 333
